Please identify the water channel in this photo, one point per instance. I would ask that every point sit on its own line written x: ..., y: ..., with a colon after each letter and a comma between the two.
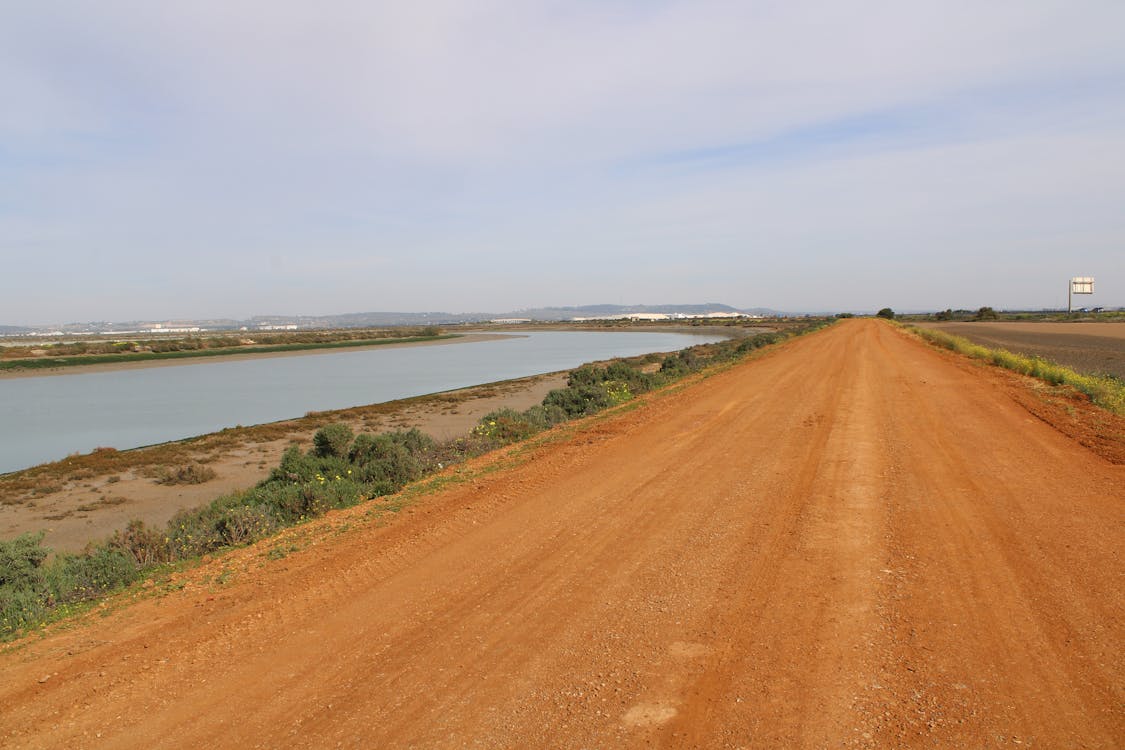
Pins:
x: 47, y: 418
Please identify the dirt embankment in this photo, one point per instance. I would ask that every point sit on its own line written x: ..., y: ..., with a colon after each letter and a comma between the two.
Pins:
x: 1086, y: 347
x: 853, y: 541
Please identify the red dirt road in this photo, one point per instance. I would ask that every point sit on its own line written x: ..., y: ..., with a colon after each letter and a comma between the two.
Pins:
x: 852, y: 541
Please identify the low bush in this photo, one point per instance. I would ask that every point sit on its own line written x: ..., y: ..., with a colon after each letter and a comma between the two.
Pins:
x: 20, y: 561
x: 186, y: 474
x: 77, y: 578
x: 144, y: 545
x: 332, y: 440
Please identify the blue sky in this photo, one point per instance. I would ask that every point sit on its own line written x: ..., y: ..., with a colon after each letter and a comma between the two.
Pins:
x: 210, y: 159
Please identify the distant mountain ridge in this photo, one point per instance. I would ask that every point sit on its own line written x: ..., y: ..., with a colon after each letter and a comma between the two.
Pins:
x: 379, y: 319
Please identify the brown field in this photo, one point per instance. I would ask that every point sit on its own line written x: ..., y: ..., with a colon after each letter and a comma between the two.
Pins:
x: 1085, y: 347
x: 855, y: 540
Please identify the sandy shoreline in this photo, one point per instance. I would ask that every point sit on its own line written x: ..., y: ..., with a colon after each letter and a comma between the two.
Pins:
x: 79, y: 505
x: 466, y: 338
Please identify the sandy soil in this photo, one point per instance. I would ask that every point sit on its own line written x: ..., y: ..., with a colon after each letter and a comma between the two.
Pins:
x: 853, y: 541
x: 1086, y: 347
x: 249, y: 354
x: 92, y: 507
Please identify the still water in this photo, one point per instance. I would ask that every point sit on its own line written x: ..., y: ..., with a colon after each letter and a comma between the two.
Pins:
x: 47, y: 418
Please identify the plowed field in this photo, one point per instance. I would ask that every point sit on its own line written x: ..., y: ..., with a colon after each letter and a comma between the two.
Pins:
x: 853, y: 541
x: 1086, y: 347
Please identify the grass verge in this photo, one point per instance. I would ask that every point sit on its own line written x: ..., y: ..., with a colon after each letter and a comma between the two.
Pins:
x: 1106, y: 391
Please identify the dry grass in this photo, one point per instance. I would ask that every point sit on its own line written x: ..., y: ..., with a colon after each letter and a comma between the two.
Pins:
x: 105, y: 502
x: 193, y: 473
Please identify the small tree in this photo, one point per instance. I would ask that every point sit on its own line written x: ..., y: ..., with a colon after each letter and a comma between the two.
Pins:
x: 946, y: 314
x: 887, y: 313
x: 986, y: 313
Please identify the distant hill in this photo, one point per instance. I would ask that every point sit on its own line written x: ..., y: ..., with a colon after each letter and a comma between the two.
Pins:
x: 381, y: 319
x: 596, y: 311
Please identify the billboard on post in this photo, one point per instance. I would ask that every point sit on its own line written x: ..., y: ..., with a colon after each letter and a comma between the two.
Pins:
x: 1082, y: 285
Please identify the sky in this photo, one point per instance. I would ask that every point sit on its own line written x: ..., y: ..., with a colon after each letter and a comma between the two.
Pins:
x: 226, y: 159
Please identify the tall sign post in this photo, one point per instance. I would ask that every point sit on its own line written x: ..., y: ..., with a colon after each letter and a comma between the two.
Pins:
x: 1078, y: 285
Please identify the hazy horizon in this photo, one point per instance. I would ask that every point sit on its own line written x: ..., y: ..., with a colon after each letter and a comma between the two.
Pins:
x: 216, y: 161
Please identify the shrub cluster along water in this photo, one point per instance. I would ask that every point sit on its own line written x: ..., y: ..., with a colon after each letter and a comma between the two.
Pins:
x: 340, y: 470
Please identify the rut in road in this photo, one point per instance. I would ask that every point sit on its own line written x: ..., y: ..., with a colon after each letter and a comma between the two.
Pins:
x: 851, y: 541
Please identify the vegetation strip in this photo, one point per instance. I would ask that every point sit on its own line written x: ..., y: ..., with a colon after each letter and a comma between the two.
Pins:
x: 340, y: 470
x: 101, y: 359
x: 1106, y: 391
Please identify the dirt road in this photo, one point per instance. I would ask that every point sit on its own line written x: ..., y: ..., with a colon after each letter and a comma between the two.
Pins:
x: 853, y: 541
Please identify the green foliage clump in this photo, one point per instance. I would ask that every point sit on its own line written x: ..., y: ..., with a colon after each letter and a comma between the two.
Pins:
x: 887, y: 313
x: 20, y: 561
x: 579, y: 401
x: 390, y: 460
x: 31, y: 590
x: 332, y: 440
x: 77, y: 578
x: 986, y: 313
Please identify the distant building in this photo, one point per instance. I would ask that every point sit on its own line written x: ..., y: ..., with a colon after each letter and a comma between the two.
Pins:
x: 160, y: 328
x: 649, y: 317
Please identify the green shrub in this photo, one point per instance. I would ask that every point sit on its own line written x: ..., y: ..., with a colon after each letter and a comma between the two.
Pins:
x: 75, y: 578
x: 195, y: 531
x: 545, y: 416
x: 507, y: 426
x: 584, y: 375
x: 414, y: 440
x: 332, y: 440
x: 243, y: 524
x: 679, y: 364
x: 578, y: 401
x: 21, y: 608
x: 887, y: 313
x: 296, y: 466
x: 21, y: 561
x: 384, y: 458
